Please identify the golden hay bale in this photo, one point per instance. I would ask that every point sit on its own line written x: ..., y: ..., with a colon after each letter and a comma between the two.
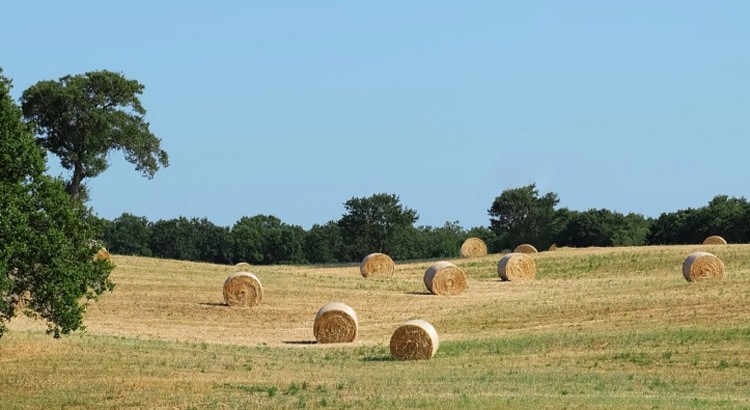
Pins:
x: 335, y: 322
x: 553, y: 247
x: 414, y: 340
x: 525, y: 248
x: 714, y: 240
x: 702, y: 265
x: 445, y: 279
x: 473, y: 247
x: 377, y: 264
x: 243, y: 289
x: 516, y: 267
x: 102, y: 254
x: 242, y: 267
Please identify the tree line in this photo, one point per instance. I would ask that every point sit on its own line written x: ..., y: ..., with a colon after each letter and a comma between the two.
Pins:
x: 380, y: 223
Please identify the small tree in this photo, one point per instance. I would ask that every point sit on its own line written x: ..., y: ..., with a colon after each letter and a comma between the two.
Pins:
x: 81, y: 118
x: 375, y: 224
x: 520, y: 215
x: 47, y: 241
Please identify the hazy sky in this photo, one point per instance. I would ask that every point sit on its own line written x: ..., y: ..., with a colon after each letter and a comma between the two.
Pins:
x: 291, y: 108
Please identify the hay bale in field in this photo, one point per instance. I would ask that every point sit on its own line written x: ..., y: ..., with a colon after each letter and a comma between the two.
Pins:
x: 714, y: 240
x: 473, y: 247
x: 102, y: 255
x: 414, y: 340
x: 243, y: 289
x: 553, y: 247
x: 525, y: 248
x: 335, y: 322
x: 445, y: 279
x: 516, y: 267
x: 702, y: 265
x: 377, y: 264
x: 241, y: 267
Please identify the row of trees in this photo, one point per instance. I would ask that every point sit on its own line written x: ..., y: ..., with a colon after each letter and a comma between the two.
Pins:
x: 380, y: 223
x: 521, y: 215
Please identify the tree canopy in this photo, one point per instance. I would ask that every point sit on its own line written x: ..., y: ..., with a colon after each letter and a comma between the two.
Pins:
x: 520, y: 215
x: 81, y: 118
x: 47, y: 238
x: 375, y: 224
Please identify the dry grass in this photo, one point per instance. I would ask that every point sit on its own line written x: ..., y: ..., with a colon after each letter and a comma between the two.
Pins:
x: 598, y: 328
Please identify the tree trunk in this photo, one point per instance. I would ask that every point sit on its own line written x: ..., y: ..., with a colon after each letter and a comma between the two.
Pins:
x: 74, y: 186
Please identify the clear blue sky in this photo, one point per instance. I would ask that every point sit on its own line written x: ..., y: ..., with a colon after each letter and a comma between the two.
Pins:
x: 291, y: 108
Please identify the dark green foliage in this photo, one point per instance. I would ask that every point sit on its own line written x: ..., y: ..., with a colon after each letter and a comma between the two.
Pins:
x: 47, y: 238
x: 213, y: 242
x: 129, y: 235
x: 427, y: 242
x: 725, y: 216
x: 190, y: 239
x: 602, y: 227
x: 375, y: 224
x: 325, y: 244
x: 82, y: 118
x: 264, y: 239
x: 174, y: 239
x: 520, y: 215
x: 381, y: 223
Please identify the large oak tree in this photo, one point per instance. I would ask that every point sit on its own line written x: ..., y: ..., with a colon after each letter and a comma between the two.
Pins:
x: 47, y: 238
x: 81, y: 118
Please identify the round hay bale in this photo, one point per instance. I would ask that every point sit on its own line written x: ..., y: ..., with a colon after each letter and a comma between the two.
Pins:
x: 702, y: 265
x: 414, y: 340
x: 525, y: 248
x: 516, y: 267
x: 445, y: 279
x: 102, y: 255
x: 715, y: 240
x: 242, y: 267
x: 473, y: 247
x: 553, y: 247
x: 335, y: 322
x: 243, y: 289
x: 377, y: 264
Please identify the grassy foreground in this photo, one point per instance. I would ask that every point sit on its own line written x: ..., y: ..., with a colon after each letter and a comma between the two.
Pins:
x: 599, y: 328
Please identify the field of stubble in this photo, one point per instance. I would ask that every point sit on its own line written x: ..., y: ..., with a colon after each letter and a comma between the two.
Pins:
x: 598, y: 328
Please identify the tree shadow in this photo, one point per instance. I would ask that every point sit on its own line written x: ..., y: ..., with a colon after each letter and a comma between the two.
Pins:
x: 300, y: 342
x: 377, y: 359
x: 214, y: 304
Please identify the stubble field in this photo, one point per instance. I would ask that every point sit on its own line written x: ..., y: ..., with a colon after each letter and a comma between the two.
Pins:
x: 598, y: 328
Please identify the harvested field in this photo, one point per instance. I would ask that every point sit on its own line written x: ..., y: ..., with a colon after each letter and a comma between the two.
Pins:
x: 598, y: 328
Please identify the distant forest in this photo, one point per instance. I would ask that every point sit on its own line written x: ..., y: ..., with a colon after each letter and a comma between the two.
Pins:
x: 380, y: 223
